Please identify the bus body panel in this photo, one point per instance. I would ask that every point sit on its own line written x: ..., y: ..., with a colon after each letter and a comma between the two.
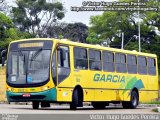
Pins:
x: 64, y: 94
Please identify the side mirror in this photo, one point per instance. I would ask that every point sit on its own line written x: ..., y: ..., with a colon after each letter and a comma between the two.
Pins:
x: 3, y: 58
x: 3, y: 61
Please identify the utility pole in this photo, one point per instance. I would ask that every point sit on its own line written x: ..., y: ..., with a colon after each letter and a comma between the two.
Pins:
x: 122, y: 45
x: 139, y: 31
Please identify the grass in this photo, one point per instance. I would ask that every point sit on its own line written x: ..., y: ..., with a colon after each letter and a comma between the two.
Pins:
x: 153, y: 102
x: 155, y: 110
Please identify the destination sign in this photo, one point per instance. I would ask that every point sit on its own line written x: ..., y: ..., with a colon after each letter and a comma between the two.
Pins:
x: 26, y: 45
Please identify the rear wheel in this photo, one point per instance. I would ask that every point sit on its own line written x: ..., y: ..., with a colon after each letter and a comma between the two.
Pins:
x: 134, y: 100
x: 35, y: 105
x: 99, y: 105
x: 74, y: 103
x: 125, y: 105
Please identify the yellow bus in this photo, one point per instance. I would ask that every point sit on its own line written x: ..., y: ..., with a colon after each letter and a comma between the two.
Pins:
x: 44, y: 71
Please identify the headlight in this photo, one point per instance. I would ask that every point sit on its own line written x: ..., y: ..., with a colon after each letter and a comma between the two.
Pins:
x: 45, y: 88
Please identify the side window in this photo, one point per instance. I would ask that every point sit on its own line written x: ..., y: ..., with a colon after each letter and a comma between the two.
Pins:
x: 132, y: 64
x: 80, y: 58
x: 142, y: 65
x: 108, y: 61
x: 95, y: 60
x: 151, y: 66
x: 120, y: 63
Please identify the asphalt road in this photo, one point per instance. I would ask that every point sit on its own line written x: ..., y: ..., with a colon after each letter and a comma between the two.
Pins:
x: 64, y: 109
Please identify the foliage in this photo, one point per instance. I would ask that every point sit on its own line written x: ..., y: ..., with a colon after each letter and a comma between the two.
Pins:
x: 72, y: 31
x: 34, y: 16
x: 93, y: 38
x: 109, y: 25
x: 9, y: 33
x: 76, y: 32
x: 7, y: 30
x: 55, y: 30
x: 153, y: 102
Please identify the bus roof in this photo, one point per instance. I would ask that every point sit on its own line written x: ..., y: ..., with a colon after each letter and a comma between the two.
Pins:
x: 65, y: 41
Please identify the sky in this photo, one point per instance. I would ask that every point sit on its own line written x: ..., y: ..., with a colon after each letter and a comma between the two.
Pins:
x: 71, y: 16
x: 84, y: 17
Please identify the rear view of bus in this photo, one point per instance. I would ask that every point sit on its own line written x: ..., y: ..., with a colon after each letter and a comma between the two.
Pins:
x: 28, y: 72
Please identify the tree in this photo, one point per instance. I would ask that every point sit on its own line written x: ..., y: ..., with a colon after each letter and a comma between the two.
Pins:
x: 110, y: 24
x: 93, y: 38
x: 7, y: 31
x: 34, y: 16
x: 76, y: 32
x: 73, y: 31
x: 55, y: 30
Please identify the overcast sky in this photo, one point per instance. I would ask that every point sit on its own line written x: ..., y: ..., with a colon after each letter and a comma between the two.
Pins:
x: 70, y: 16
x: 83, y: 17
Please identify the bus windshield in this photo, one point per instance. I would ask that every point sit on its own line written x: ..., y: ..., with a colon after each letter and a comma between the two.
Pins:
x: 28, y: 66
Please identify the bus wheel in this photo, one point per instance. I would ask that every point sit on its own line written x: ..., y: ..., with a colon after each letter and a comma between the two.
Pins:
x: 74, y: 103
x: 133, y: 103
x: 134, y: 100
x: 35, y: 105
x: 98, y: 105
x: 125, y: 105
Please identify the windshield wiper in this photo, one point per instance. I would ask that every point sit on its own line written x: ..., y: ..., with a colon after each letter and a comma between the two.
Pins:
x: 20, y: 53
x: 36, y: 54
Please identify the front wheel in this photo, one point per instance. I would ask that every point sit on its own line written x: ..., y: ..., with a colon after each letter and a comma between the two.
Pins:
x: 35, y: 105
x: 74, y: 103
x: 133, y: 103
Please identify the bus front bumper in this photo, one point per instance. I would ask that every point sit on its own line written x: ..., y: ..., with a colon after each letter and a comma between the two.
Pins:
x: 48, y: 95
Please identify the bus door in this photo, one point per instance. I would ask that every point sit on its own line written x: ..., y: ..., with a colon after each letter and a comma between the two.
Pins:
x: 63, y: 65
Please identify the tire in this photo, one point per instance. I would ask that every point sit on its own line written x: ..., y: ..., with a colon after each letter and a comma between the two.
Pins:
x: 35, y: 105
x: 134, y: 100
x: 98, y: 105
x: 133, y: 103
x: 74, y: 103
x: 125, y: 105
x: 45, y: 104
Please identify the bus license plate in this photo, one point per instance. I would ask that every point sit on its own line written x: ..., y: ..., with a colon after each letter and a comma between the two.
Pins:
x: 26, y: 95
